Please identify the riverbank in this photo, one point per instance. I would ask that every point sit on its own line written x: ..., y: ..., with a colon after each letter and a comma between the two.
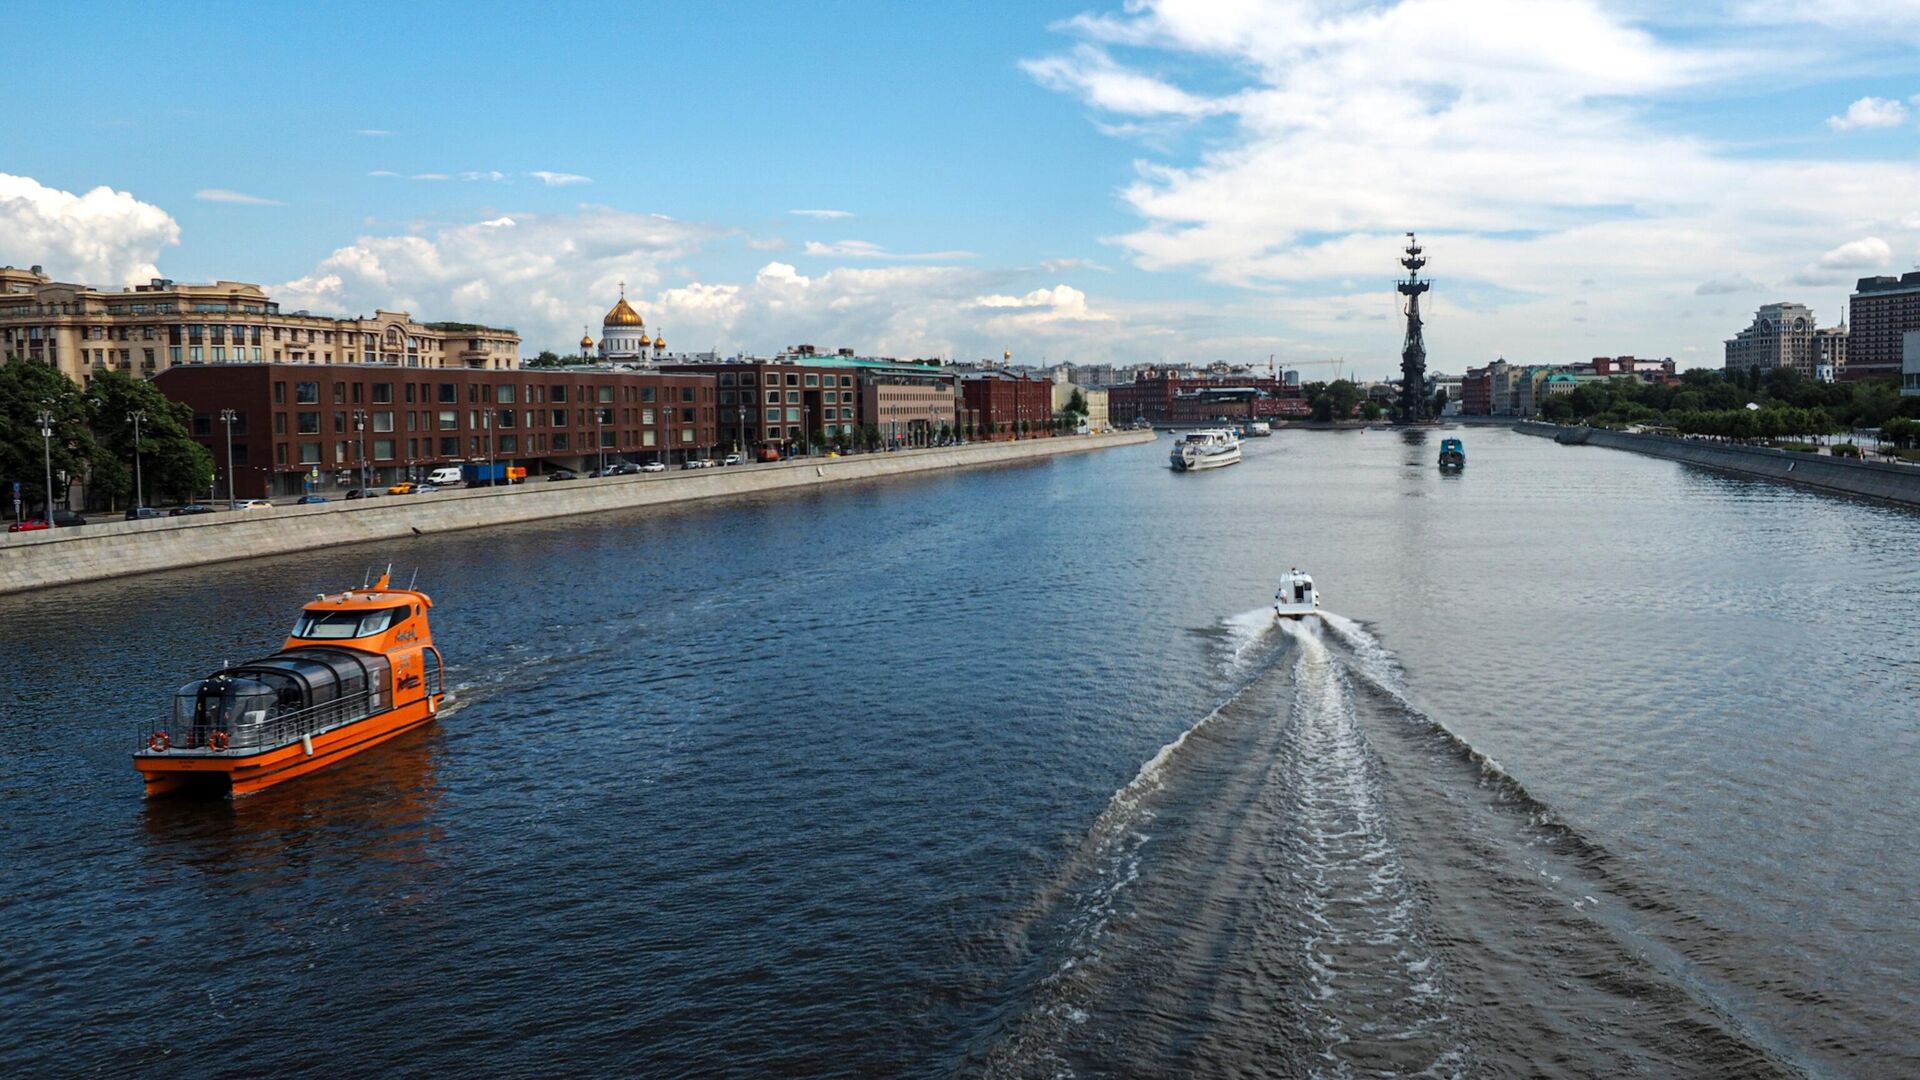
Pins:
x: 1871, y: 479
x: 117, y: 549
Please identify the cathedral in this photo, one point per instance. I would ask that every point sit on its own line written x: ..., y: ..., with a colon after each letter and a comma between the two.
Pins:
x: 623, y: 337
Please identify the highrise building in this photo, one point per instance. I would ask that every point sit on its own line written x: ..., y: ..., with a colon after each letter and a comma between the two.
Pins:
x: 1781, y: 335
x: 1880, y: 311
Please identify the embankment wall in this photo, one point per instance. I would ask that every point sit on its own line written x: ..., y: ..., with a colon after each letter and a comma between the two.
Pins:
x: 1872, y: 479
x: 119, y: 548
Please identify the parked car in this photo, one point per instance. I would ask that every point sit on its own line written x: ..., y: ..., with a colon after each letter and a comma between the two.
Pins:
x: 314, y: 500
x: 734, y: 459
x: 448, y: 474
x: 653, y: 466
x: 190, y: 508
x: 424, y: 489
x: 29, y: 525
x: 253, y: 504
x: 625, y: 468
x: 697, y: 463
x: 404, y: 487
x: 141, y: 513
x: 563, y: 474
x: 363, y: 493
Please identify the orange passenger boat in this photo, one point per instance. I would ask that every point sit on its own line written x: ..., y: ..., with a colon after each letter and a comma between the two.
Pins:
x: 359, y: 669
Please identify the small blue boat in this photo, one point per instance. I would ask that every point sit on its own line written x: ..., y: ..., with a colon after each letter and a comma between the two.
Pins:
x: 1452, y: 454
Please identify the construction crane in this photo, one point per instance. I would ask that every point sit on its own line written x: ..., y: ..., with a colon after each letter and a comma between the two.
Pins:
x: 1337, y: 365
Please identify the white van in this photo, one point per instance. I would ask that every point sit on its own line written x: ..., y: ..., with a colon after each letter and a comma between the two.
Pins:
x: 445, y: 476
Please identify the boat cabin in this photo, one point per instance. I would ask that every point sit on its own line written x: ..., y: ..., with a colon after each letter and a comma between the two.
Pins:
x: 1295, y: 598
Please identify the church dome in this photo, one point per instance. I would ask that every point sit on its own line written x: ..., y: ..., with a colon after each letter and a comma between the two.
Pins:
x: 623, y: 315
x: 586, y: 342
x: 660, y: 342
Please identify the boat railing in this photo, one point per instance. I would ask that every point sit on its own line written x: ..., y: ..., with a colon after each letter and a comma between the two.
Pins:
x: 271, y: 732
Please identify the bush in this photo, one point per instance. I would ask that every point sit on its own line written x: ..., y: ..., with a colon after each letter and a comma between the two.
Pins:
x: 1798, y: 447
x: 1846, y: 450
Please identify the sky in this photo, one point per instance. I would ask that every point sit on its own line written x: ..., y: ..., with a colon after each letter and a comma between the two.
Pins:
x: 1138, y: 182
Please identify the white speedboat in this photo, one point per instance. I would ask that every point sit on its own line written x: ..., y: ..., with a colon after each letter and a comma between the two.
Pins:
x: 1259, y: 429
x: 1207, y: 448
x: 1296, y: 598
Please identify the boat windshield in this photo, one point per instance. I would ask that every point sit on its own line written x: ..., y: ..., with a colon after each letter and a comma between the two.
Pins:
x: 339, y: 625
x: 208, y: 704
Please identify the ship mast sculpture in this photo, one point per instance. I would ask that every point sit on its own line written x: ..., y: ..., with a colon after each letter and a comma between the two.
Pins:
x: 1413, y: 353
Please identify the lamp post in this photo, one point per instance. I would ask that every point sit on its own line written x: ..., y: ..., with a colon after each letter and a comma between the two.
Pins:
x: 600, y: 436
x: 487, y: 418
x: 227, y: 417
x: 46, y: 450
x: 360, y: 437
x: 139, y: 487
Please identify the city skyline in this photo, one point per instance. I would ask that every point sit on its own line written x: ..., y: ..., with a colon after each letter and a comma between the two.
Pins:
x: 1177, y: 183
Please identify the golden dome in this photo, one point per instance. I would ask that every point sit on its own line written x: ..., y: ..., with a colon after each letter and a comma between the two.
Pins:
x: 623, y: 315
x: 645, y: 342
x: 660, y: 342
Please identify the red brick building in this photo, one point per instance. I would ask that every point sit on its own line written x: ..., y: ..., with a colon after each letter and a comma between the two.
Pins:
x: 1000, y: 401
x: 1476, y: 392
x: 303, y: 427
x: 1169, y: 396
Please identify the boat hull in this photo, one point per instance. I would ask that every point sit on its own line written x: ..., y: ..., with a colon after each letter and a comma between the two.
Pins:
x: 1199, y: 462
x: 236, y: 773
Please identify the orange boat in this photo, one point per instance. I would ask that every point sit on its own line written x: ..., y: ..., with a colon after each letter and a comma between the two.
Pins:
x: 359, y: 668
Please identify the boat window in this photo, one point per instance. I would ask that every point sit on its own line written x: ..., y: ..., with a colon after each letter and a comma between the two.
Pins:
x: 340, y: 625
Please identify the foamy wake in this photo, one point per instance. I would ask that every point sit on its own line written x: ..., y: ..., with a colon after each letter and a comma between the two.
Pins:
x: 1371, y: 977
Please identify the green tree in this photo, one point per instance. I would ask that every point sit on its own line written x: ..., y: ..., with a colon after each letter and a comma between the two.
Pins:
x: 172, y: 466
x: 1077, y: 403
x: 547, y: 358
x: 26, y: 388
x: 946, y: 433
x: 818, y: 440
x: 1369, y: 410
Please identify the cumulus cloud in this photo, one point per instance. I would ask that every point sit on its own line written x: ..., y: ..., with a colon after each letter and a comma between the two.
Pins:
x: 374, y: 133
x: 823, y: 215
x: 1870, y: 112
x: 560, y: 179
x: 1867, y: 253
x: 222, y: 195
x: 1518, y: 136
x: 104, y: 237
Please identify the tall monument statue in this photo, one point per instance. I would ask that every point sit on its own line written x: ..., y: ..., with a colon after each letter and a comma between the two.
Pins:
x: 1413, y: 353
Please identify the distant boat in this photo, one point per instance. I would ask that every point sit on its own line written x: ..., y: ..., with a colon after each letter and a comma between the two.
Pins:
x: 1259, y: 429
x: 1453, y: 455
x: 1207, y: 448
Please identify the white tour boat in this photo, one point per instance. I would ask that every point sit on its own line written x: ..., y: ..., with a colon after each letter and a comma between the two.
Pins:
x: 1208, y: 448
x: 1295, y: 599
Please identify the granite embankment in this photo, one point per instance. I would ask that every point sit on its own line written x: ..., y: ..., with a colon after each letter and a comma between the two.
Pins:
x: 1872, y: 479
x: 119, y: 548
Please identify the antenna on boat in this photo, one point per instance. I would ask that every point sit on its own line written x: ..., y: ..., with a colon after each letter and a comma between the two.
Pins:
x: 366, y: 579
x: 414, y: 578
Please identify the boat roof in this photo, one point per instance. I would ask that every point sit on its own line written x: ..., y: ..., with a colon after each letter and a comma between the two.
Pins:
x: 366, y: 599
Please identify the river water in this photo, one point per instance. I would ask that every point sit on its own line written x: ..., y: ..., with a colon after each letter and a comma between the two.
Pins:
x: 1598, y: 765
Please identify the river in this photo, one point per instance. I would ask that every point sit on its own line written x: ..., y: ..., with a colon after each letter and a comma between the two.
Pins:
x: 1598, y: 765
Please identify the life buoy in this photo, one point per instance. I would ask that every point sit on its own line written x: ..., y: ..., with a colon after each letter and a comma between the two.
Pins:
x: 158, y: 742
x: 217, y: 741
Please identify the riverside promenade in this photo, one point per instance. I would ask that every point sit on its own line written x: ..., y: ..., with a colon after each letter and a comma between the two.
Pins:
x: 1870, y: 479
x: 39, y: 560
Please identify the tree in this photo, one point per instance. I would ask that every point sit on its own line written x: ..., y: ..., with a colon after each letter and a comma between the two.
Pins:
x: 546, y: 359
x: 1369, y: 410
x: 1077, y: 403
x: 946, y: 433
x: 26, y: 388
x: 818, y: 439
x: 172, y: 466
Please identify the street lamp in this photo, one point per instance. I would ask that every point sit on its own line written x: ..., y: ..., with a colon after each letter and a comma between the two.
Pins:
x: 487, y: 419
x: 360, y: 437
x: 227, y: 416
x: 46, y: 450
x: 139, y: 488
x: 600, y: 436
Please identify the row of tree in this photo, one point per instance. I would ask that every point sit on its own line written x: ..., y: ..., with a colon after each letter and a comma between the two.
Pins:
x: 93, y: 438
x: 1618, y: 402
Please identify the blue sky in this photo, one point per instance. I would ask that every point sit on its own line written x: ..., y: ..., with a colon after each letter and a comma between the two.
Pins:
x: 1185, y: 182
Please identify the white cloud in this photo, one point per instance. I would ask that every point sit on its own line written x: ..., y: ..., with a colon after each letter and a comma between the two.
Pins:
x: 374, y: 133
x: 383, y: 172
x: 222, y: 195
x: 430, y: 176
x: 1868, y: 253
x: 1532, y: 143
x: 559, y: 179
x: 1060, y: 303
x: 1054, y: 266
x: 862, y: 249
x: 104, y: 237
x: 494, y: 175
x: 1870, y: 112
x: 823, y: 215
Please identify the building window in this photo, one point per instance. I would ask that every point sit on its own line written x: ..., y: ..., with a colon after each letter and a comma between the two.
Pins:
x: 309, y: 453
x: 173, y: 354
x: 383, y: 393
x: 773, y: 417
x: 793, y: 397
x: 648, y: 438
x: 449, y: 446
x: 383, y: 421
x: 279, y: 453
x: 449, y: 419
x: 506, y: 394
x: 306, y: 393
x: 383, y: 449
x: 509, y: 444
x: 448, y: 393
x: 279, y: 423
x: 559, y: 396
x: 793, y: 415
x: 505, y: 418
x: 309, y: 423
x: 194, y: 353
x: 279, y: 393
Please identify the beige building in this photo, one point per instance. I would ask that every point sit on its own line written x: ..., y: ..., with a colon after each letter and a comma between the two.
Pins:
x: 1096, y: 403
x: 1781, y: 335
x: 145, y: 329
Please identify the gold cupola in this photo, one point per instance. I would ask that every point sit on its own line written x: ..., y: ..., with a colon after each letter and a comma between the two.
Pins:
x: 623, y: 313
